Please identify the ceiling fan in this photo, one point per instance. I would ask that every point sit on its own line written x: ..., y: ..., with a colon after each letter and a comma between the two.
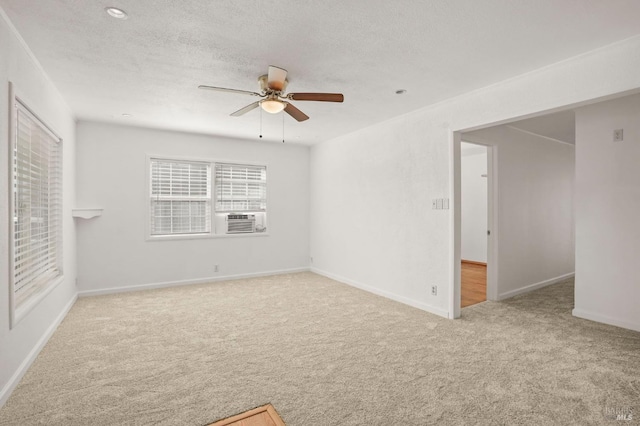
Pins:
x: 272, y: 87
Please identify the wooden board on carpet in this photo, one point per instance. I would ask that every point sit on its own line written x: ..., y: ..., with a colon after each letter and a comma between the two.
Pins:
x: 265, y: 415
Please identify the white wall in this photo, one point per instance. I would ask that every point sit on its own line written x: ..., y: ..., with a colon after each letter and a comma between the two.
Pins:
x: 474, y: 202
x: 607, y: 211
x: 20, y: 345
x: 112, y: 250
x: 371, y: 219
x: 535, y: 214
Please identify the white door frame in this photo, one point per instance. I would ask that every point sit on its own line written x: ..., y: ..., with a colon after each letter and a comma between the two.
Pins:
x: 455, y: 217
x: 492, y: 222
x: 455, y: 212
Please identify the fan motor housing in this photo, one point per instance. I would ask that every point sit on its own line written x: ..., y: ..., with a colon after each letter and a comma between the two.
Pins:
x: 264, y: 84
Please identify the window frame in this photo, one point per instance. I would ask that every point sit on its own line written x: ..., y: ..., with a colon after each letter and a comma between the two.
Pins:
x: 17, y: 313
x: 212, y: 232
x: 208, y: 199
x: 216, y: 199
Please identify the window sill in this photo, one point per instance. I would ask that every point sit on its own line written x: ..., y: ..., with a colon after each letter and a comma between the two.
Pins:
x: 204, y: 236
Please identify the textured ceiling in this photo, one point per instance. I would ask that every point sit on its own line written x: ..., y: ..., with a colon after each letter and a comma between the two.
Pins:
x: 151, y: 64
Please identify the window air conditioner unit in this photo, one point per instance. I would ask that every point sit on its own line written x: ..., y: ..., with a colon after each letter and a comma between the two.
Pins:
x: 241, y: 223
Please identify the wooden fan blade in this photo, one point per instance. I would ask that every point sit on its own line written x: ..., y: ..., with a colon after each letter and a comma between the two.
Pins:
x: 223, y: 89
x: 246, y: 109
x: 276, y: 78
x: 295, y: 112
x: 322, y: 97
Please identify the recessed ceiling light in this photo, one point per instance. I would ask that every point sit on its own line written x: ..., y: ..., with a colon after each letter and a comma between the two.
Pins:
x: 125, y: 115
x: 116, y: 13
x: 401, y: 91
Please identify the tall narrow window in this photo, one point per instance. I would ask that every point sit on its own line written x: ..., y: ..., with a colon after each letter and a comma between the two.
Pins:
x: 36, y: 206
x: 241, y: 188
x: 180, y: 197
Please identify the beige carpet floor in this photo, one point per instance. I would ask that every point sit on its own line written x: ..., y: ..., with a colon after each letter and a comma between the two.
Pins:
x: 324, y: 353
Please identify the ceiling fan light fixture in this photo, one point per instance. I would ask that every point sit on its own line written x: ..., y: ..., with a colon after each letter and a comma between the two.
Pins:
x: 272, y: 106
x: 274, y: 100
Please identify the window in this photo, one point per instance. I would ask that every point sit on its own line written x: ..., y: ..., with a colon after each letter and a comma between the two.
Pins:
x: 241, y: 188
x: 36, y: 237
x: 180, y: 197
x: 182, y: 204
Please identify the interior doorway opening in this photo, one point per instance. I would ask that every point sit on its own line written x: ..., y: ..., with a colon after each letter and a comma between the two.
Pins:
x: 474, y: 223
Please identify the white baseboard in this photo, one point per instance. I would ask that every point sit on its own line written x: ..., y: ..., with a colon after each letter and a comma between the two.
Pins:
x: 536, y: 286
x: 139, y: 287
x: 383, y: 293
x: 26, y: 363
x: 605, y: 319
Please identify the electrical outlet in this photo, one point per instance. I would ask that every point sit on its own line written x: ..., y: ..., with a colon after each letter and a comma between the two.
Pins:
x: 618, y: 135
x: 434, y: 290
x: 215, y: 268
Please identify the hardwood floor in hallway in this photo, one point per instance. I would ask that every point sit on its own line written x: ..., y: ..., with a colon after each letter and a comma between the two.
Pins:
x: 473, y: 283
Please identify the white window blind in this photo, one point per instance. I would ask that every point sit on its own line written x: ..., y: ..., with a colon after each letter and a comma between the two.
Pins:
x: 180, y: 197
x: 241, y: 188
x: 37, y: 206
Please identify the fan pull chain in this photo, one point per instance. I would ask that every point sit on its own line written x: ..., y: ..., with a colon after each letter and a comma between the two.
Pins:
x: 282, y: 126
x: 260, y: 123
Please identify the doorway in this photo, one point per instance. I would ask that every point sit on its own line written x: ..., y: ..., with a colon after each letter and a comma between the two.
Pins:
x: 474, y: 223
